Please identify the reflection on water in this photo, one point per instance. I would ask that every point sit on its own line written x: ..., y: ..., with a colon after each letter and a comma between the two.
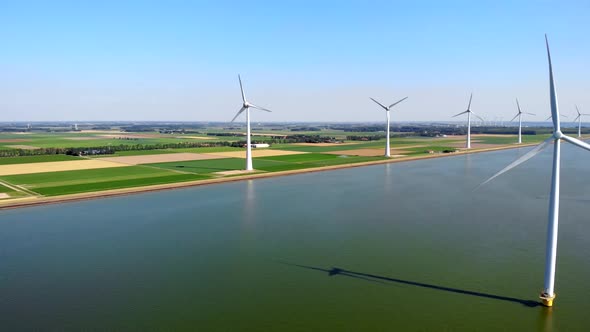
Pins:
x: 468, y: 165
x: 249, y: 205
x: 388, y: 178
x: 546, y: 319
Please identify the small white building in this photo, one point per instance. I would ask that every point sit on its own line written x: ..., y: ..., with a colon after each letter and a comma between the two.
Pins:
x: 260, y: 145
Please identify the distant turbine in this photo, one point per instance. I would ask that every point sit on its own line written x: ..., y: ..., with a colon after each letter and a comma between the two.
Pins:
x: 387, y: 109
x: 519, y: 116
x: 579, y: 118
x: 246, y: 107
x: 548, y: 293
x: 469, y: 112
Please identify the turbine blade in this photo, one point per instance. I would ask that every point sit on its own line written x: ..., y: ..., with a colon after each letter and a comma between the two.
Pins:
x: 577, y: 142
x: 378, y: 103
x: 521, y: 160
x: 553, y: 94
x: 454, y: 116
x: 260, y: 108
x: 397, y: 102
x: 577, y: 110
x: 563, y: 115
x: 576, y: 119
x: 477, y: 116
x: 550, y: 116
x: 469, y: 106
x: 516, y: 116
x: 242, y: 89
x: 238, y: 114
x: 529, y: 113
x: 518, y: 105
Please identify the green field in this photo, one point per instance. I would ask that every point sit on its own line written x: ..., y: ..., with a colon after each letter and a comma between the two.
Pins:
x: 215, y: 165
x: 266, y: 164
x: 298, y: 158
x: 71, y: 182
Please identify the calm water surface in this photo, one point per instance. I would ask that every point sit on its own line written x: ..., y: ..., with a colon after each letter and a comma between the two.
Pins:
x: 406, y: 247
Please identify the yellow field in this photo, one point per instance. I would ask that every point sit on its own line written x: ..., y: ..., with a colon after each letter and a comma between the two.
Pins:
x: 255, y: 153
x: 56, y: 166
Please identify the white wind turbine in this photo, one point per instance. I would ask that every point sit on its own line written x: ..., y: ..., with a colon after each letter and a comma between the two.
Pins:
x: 548, y: 293
x: 469, y: 112
x: 246, y: 107
x: 519, y: 116
x: 387, y: 109
x: 579, y: 118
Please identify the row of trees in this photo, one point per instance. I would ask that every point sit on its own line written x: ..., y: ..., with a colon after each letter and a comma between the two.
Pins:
x: 109, y: 149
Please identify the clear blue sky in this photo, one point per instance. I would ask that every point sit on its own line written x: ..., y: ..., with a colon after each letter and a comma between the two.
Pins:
x: 307, y: 61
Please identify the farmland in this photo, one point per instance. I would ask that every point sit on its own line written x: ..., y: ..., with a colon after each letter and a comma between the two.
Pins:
x: 72, y: 162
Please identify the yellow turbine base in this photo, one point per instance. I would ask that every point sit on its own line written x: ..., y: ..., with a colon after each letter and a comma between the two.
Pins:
x: 547, y: 299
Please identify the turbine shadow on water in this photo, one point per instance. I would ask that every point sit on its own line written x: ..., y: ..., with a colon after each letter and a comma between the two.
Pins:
x: 334, y: 271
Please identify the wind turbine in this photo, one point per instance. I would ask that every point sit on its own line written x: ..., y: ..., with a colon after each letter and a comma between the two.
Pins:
x: 469, y: 112
x: 579, y: 118
x: 246, y: 107
x: 387, y: 109
x: 548, y: 293
x: 519, y: 116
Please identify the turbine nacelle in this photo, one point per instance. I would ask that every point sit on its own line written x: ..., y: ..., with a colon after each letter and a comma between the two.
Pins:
x: 388, y: 108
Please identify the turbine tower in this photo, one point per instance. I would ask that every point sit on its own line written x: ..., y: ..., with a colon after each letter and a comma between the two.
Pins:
x: 548, y: 293
x: 579, y: 118
x: 519, y: 116
x: 469, y: 112
x: 246, y: 107
x: 387, y: 109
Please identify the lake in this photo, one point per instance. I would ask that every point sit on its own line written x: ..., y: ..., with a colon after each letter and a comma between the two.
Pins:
x: 397, y: 247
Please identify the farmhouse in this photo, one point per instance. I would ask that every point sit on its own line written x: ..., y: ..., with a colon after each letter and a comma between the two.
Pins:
x: 258, y: 145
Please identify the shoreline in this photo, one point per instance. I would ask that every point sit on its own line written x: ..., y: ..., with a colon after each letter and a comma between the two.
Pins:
x: 35, y: 201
